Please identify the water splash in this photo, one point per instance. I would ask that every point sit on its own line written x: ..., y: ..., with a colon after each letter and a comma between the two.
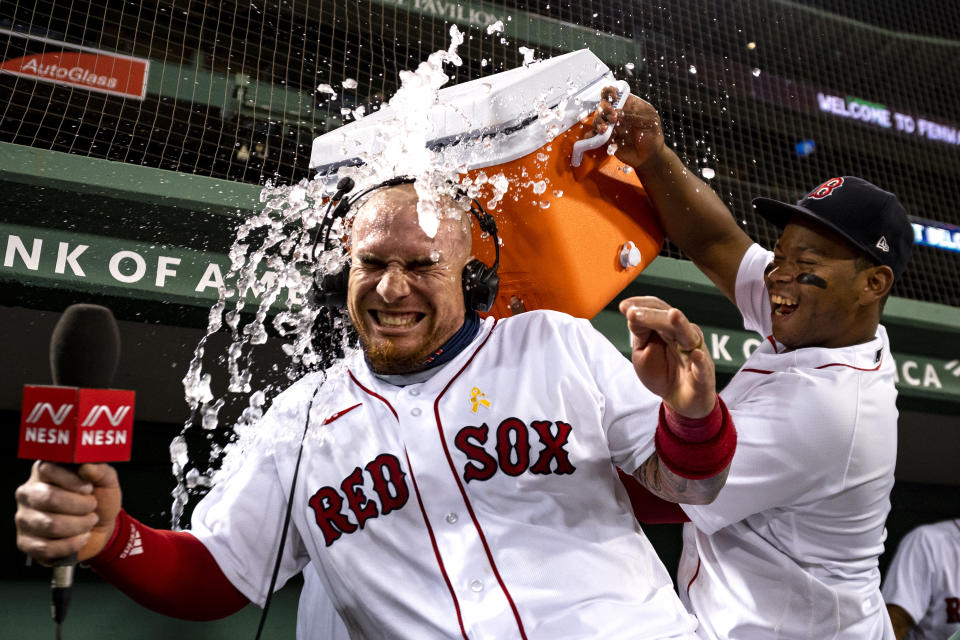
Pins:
x: 277, y: 256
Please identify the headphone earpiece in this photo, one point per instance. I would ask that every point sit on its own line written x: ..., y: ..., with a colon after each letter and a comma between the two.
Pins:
x: 480, y: 284
x: 330, y: 289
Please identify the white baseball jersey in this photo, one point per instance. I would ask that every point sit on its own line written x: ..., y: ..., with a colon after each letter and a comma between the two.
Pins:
x: 480, y: 503
x: 316, y: 617
x: 924, y: 580
x: 789, y: 548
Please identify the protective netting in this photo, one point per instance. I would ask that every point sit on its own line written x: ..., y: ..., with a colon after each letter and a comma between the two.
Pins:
x: 764, y: 97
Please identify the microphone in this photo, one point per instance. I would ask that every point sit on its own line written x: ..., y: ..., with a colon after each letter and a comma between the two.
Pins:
x: 344, y: 185
x: 78, y: 419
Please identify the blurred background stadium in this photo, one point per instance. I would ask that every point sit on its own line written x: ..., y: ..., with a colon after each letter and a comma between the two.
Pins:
x: 213, y: 100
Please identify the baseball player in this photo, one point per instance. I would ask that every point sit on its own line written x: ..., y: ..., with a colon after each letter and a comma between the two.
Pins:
x: 458, y: 476
x: 922, y: 585
x: 789, y: 549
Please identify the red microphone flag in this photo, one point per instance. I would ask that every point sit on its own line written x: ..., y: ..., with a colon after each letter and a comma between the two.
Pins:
x: 70, y: 424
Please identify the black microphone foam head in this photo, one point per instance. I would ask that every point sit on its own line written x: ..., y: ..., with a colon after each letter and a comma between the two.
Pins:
x: 85, y: 347
x: 345, y: 185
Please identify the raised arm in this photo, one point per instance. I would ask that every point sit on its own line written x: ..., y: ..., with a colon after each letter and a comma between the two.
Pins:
x: 696, y: 437
x: 690, y: 213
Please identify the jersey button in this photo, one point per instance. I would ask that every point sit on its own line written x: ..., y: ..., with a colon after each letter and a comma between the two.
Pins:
x: 452, y: 518
x: 415, y: 411
x: 476, y: 585
x: 414, y: 392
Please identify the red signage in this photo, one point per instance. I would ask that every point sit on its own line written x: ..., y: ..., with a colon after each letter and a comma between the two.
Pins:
x: 67, y: 424
x: 100, y: 71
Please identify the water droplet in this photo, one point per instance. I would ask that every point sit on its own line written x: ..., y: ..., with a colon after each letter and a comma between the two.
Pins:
x: 692, y: 70
x: 496, y: 27
x: 708, y: 173
x: 528, y: 55
x: 349, y: 83
x: 756, y: 73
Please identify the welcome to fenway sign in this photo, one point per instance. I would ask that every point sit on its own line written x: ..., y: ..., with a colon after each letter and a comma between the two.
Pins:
x: 83, y: 67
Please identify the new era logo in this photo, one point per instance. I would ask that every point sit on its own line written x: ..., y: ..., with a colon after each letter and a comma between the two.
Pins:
x: 134, y: 544
x: 882, y: 244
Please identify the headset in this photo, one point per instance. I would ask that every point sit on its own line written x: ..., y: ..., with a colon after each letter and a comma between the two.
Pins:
x: 480, y: 282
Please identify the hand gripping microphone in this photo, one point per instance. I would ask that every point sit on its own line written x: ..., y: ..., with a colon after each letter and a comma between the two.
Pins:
x: 78, y: 419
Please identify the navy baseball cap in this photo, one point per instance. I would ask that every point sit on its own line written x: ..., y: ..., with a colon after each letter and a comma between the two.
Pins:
x: 866, y: 215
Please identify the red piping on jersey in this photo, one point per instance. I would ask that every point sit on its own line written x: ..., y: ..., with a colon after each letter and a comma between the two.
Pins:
x: 773, y: 342
x: 695, y: 574
x: 340, y: 414
x: 840, y: 364
x: 823, y: 366
x: 433, y: 542
x: 374, y: 394
x: 463, y: 492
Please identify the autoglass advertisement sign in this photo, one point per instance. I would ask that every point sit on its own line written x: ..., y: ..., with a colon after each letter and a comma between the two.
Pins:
x: 47, y: 59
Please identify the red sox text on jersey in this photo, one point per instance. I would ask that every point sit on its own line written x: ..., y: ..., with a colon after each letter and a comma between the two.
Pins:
x: 511, y: 453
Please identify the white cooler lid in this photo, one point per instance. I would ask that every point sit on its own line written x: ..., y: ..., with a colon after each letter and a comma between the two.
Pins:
x: 504, y: 105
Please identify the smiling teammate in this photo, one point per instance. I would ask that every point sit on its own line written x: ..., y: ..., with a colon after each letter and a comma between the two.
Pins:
x: 425, y: 512
x: 789, y: 549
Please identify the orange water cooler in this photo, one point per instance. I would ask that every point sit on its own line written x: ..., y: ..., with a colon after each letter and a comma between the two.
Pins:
x: 572, y: 237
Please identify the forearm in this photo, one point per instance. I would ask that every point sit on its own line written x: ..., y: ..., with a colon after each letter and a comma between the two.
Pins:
x: 169, y: 572
x: 694, y: 218
x: 648, y: 508
x: 669, y: 486
x: 693, y: 457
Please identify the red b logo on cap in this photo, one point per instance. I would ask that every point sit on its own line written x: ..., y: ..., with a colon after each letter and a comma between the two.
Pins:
x: 825, y: 189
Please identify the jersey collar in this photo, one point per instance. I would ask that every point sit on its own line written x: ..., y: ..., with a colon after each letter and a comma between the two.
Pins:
x: 772, y: 356
x: 430, y: 378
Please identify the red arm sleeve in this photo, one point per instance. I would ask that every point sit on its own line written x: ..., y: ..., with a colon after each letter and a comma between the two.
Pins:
x: 169, y: 572
x: 648, y: 508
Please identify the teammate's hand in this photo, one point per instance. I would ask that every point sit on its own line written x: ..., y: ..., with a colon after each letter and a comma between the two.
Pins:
x: 60, y: 512
x: 637, y: 131
x: 669, y: 356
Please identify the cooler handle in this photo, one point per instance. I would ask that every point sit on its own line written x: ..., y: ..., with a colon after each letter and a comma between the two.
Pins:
x: 581, y: 146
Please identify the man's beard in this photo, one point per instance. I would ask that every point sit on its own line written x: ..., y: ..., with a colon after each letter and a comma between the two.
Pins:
x: 384, y: 357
